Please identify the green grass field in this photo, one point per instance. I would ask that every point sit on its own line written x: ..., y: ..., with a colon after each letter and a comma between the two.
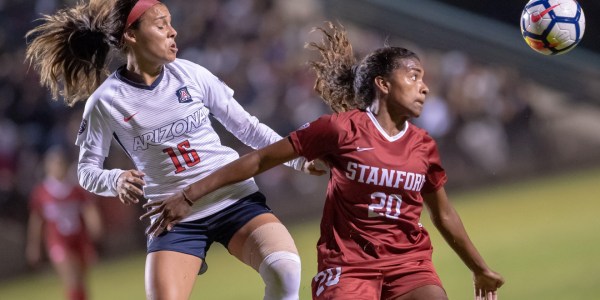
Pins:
x: 541, y: 235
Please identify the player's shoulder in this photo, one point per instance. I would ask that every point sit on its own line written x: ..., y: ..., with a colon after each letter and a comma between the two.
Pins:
x: 351, y: 116
x: 421, y: 133
x: 107, y: 88
x: 192, y: 72
x: 337, y: 119
x: 187, y: 67
x: 417, y: 130
x: 104, y: 93
x: 343, y: 123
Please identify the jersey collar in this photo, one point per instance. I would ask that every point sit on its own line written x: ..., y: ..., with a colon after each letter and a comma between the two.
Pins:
x: 121, y: 77
x: 387, y: 137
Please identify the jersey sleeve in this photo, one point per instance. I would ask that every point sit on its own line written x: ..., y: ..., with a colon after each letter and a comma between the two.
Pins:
x: 93, y: 177
x: 436, y: 175
x: 94, y: 138
x: 95, y: 134
x: 218, y: 98
x: 318, y: 138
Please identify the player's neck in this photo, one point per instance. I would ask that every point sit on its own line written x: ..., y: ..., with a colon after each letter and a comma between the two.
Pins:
x: 390, y: 124
x: 141, y: 74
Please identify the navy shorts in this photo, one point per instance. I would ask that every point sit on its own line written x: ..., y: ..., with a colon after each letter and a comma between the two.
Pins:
x: 195, y: 237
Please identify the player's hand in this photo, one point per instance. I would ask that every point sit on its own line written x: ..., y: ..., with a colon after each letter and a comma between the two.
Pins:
x: 315, y: 167
x: 168, y: 211
x: 487, y: 284
x: 129, y: 186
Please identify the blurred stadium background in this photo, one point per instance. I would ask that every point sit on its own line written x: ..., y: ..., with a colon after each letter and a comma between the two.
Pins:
x: 500, y: 112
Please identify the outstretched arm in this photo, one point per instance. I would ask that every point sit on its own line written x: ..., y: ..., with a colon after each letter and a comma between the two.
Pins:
x: 447, y: 221
x: 171, y: 210
x: 244, y: 126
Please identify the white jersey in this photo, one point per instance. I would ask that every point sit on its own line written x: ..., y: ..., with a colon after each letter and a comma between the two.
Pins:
x: 165, y: 129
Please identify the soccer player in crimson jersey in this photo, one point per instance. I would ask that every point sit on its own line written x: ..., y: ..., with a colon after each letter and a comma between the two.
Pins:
x: 64, y: 216
x: 384, y: 170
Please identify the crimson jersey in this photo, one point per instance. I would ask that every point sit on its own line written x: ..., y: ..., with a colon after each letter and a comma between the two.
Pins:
x: 374, y: 203
x: 61, y: 205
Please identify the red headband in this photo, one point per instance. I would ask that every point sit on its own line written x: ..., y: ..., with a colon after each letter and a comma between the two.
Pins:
x: 138, y: 10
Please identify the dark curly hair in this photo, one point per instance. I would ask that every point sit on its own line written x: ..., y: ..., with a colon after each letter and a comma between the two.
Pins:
x: 343, y: 83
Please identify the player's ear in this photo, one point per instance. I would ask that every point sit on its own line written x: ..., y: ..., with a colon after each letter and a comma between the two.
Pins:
x: 129, y: 36
x: 381, y: 84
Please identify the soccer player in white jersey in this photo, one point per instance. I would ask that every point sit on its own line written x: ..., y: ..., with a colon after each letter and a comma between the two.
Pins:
x: 156, y: 107
x: 384, y: 171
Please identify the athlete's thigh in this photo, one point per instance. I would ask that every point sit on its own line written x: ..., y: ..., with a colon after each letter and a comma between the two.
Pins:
x: 261, y: 236
x: 347, y: 283
x: 427, y: 292
x: 413, y: 280
x: 170, y: 275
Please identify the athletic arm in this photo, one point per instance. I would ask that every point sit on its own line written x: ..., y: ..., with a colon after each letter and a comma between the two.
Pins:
x: 127, y: 184
x: 93, y: 177
x: 448, y: 222
x: 176, y: 207
x: 249, y: 130
x: 230, y: 113
x: 247, y: 166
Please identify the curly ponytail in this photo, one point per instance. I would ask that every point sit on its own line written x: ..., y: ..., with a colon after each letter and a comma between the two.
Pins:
x: 334, y: 71
x: 70, y: 49
x: 343, y: 83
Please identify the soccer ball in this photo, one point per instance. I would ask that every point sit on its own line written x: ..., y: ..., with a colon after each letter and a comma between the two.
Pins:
x: 552, y: 27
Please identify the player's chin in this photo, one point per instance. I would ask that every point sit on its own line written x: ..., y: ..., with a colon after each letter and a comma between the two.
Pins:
x: 171, y: 58
x: 171, y: 55
x: 417, y: 110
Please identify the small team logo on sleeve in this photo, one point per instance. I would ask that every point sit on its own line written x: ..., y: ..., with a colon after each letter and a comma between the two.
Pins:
x: 183, y: 95
x: 361, y: 149
x: 82, y: 127
x: 306, y: 125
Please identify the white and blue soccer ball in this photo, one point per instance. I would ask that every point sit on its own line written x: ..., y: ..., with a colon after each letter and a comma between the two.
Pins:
x: 552, y: 27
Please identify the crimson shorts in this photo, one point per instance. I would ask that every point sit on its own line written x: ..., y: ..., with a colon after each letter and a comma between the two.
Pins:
x: 81, y: 249
x: 370, y: 283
